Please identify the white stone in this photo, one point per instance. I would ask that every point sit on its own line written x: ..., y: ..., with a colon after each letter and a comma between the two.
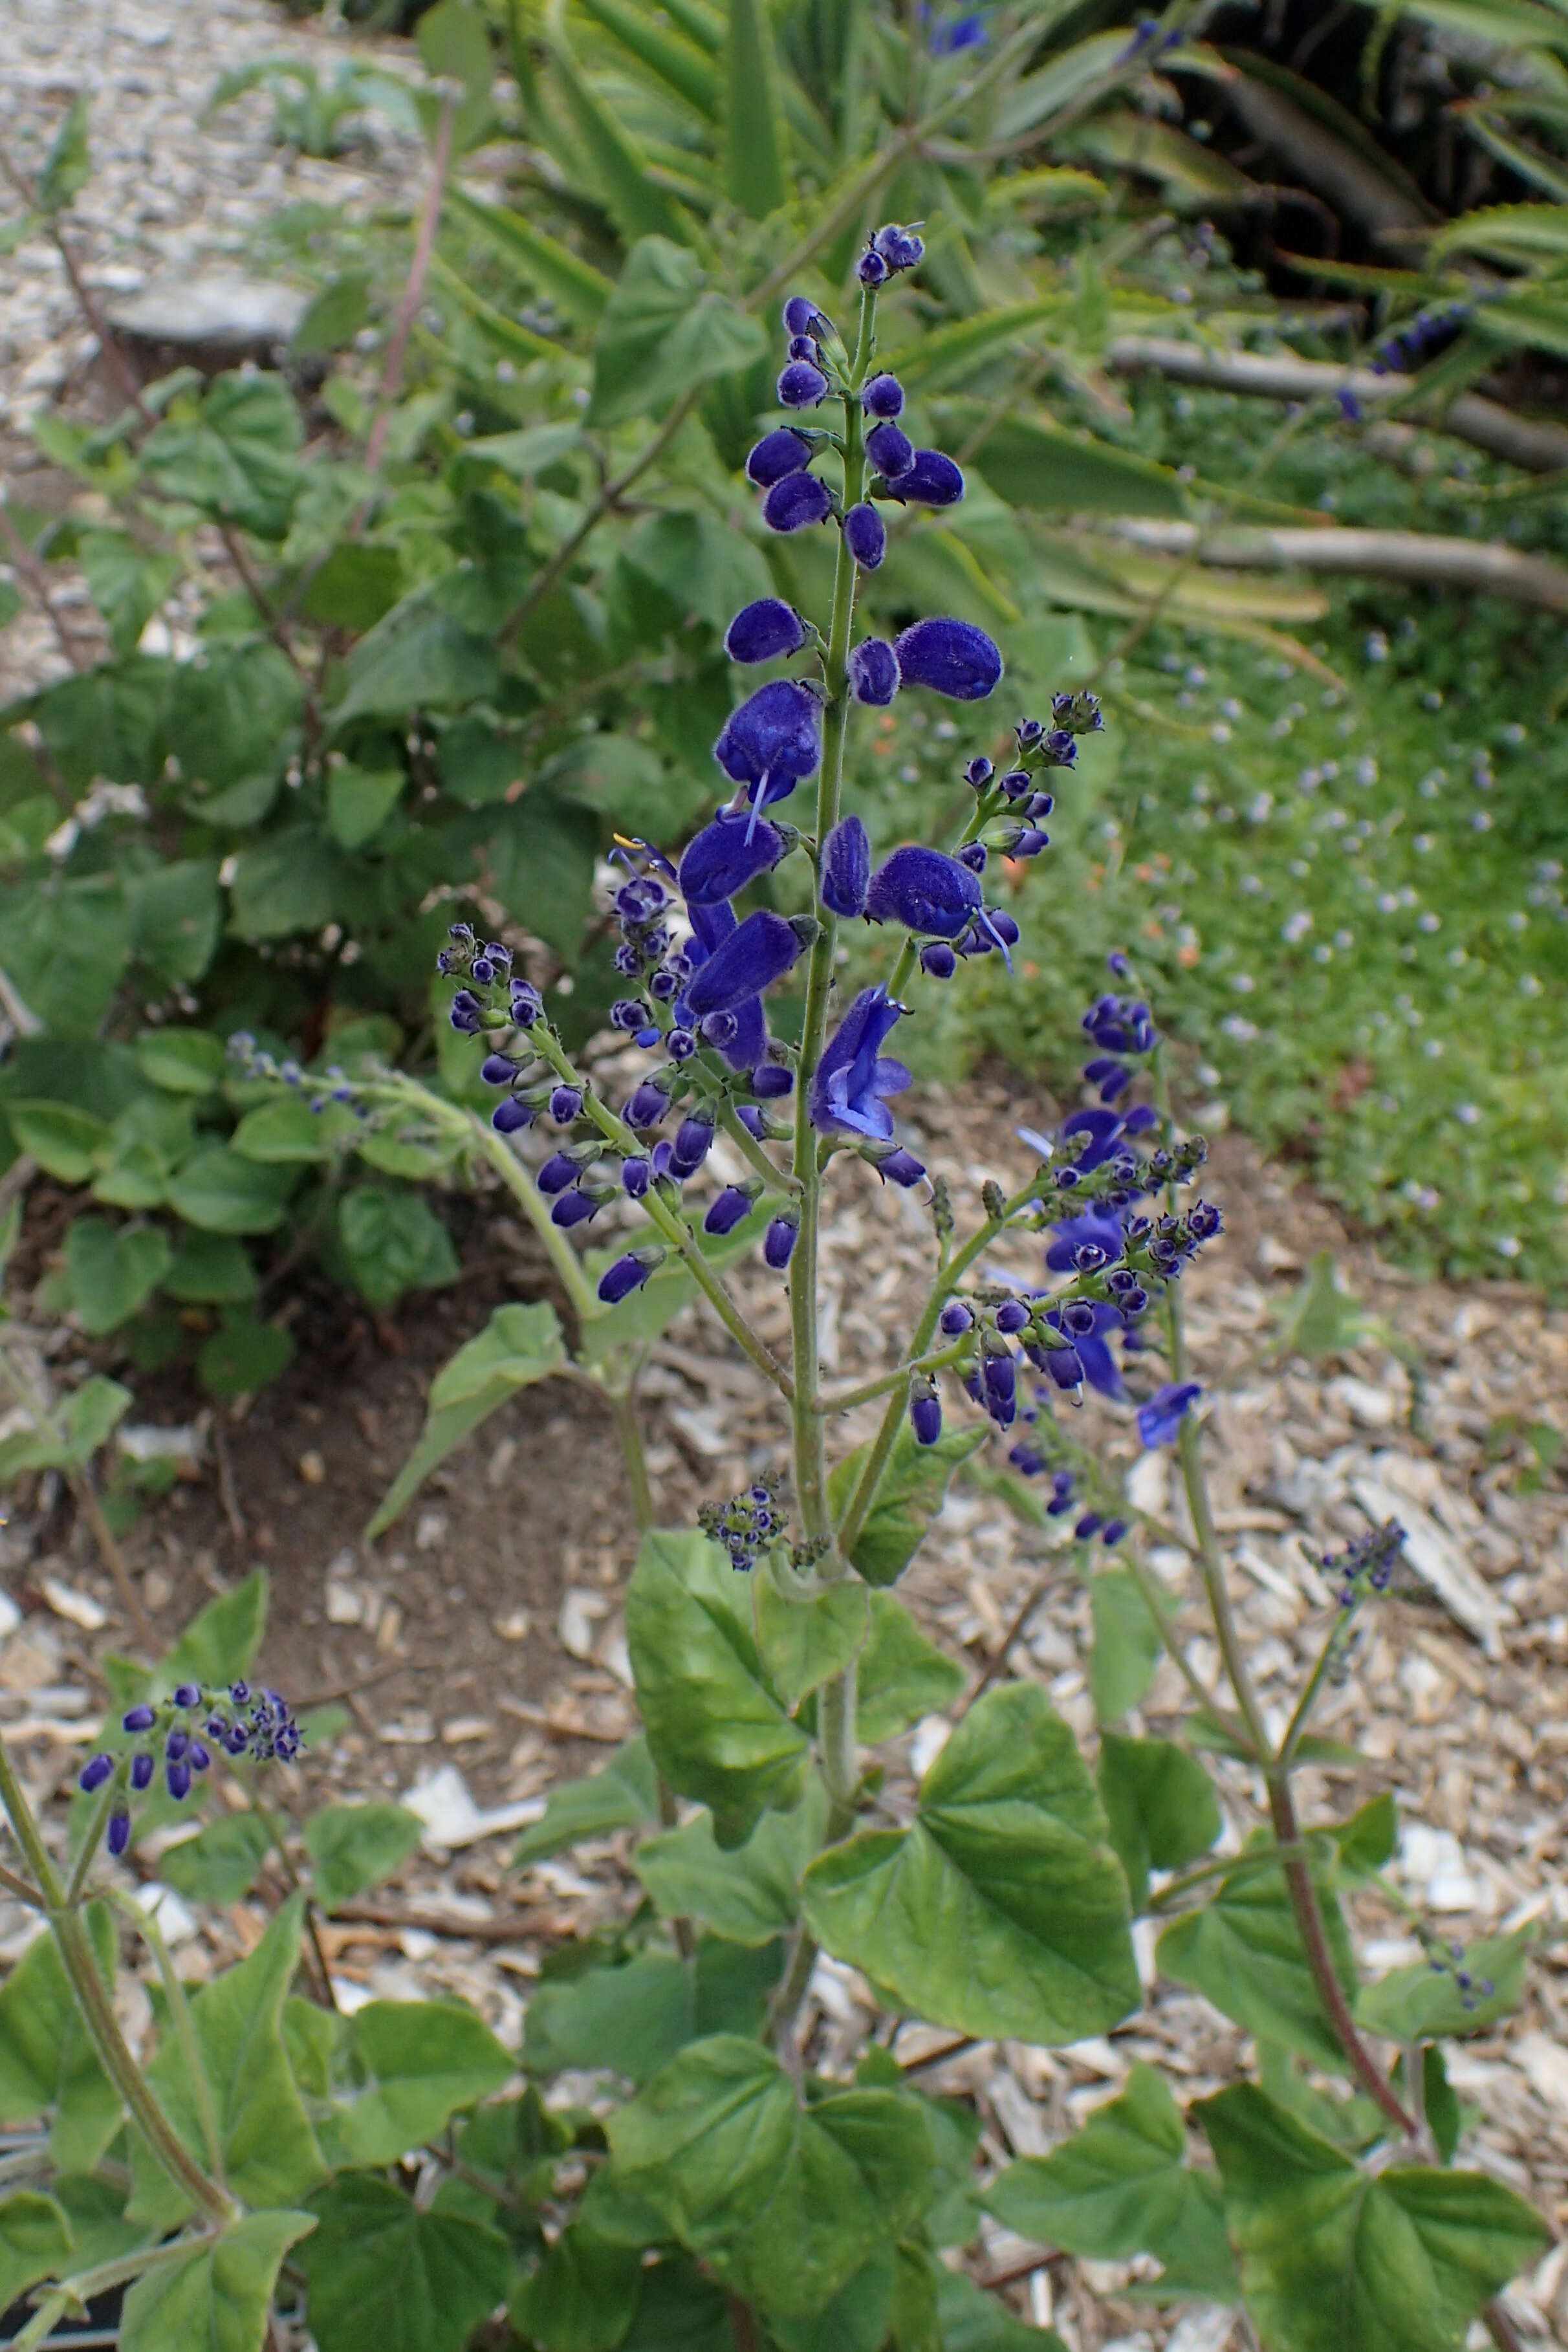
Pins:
x: 581, y: 1615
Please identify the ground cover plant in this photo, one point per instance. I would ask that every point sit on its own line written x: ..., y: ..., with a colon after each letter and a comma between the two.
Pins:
x: 384, y: 2173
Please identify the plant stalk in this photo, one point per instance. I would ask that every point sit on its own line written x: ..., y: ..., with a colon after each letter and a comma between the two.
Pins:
x: 146, y: 1925
x: 414, y: 286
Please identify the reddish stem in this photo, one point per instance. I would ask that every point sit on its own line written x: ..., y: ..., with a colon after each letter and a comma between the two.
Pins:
x: 414, y: 286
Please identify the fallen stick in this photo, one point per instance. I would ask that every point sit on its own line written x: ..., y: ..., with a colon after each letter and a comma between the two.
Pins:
x: 1540, y: 448
x: 1410, y: 555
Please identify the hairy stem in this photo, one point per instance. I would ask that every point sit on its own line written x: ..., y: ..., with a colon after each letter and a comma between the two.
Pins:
x: 145, y: 1923
x: 414, y: 284
x: 628, y: 1430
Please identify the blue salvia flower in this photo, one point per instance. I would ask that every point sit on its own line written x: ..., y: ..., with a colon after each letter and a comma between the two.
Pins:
x: 719, y: 862
x: 933, y: 481
x: 890, y: 450
x: 765, y: 631
x: 772, y: 741
x: 759, y: 951
x: 925, y: 890
x: 731, y: 1207
x: 1159, y: 1420
x: 775, y: 454
x: 802, y: 384
x: 899, y: 248
x: 873, y: 672
x: 779, y: 1240
x: 846, y: 869
x: 951, y: 657
x: 865, y: 536
x: 883, y: 398
x: 853, y: 1078
x: 627, y: 1274
x: 796, y: 501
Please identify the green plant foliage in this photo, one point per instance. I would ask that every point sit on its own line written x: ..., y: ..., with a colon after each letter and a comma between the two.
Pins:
x: 622, y: 1795
x: 631, y: 2019
x: 217, y: 2299
x: 35, y: 2239
x: 1242, y: 1948
x: 354, y: 1847
x: 661, y: 334
x: 519, y: 1346
x: 1118, y: 2187
x: 416, y: 2065
x: 750, y: 1895
x: 1127, y: 1644
x: 583, y: 2296
x: 782, y: 2201
x: 48, y: 2062
x: 964, y: 1938
x: 385, y: 2277
x: 1336, y: 2259
x: 911, y: 1492
x: 1160, y: 1806
x: 220, y: 1864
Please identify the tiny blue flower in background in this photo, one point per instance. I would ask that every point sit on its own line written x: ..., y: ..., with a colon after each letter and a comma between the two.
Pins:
x: 1159, y: 1420
x: 851, y: 1081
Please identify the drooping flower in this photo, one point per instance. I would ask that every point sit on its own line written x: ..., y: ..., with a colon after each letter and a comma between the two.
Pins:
x: 883, y: 396
x: 925, y: 890
x: 801, y: 385
x: 890, y: 450
x: 951, y: 657
x: 778, y: 453
x: 1098, y: 1228
x: 873, y: 672
x: 764, y: 631
x: 933, y: 480
x: 846, y: 869
x: 729, y: 1208
x: 772, y: 741
x: 899, y: 248
x: 865, y: 536
x: 925, y: 1415
x: 852, y: 1079
x: 720, y: 861
x: 796, y: 501
x: 1087, y: 1328
x: 756, y: 954
x: 779, y: 1240
x: 801, y: 317
x: 1159, y: 1420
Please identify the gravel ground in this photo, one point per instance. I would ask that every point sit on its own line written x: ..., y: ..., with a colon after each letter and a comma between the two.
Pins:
x: 484, y: 1644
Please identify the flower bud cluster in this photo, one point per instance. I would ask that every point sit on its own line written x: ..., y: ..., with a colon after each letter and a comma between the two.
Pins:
x: 1446, y: 1957
x: 1366, y: 1564
x: 747, y: 1525
x: 256, y: 1062
x: 182, y: 1732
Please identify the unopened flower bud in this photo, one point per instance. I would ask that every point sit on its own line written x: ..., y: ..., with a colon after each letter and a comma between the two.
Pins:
x: 801, y: 385
x: 883, y: 396
x: 865, y: 536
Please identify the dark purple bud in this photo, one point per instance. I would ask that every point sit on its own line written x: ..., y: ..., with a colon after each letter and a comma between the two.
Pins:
x: 973, y: 854
x: 1017, y: 783
x: 559, y: 1171
x: 933, y: 480
x: 804, y: 347
x: 1088, y: 1526
x: 795, y: 500
x: 1112, y: 1531
x: 865, y: 536
x: 465, y: 1014
x: 924, y: 891
x: 925, y: 1417
x: 759, y: 951
x: 177, y: 1781
x: 510, y: 1115
x: 647, y: 1106
x: 901, y: 1167
x: 1064, y: 1368
x: 1002, y: 927
x: 719, y: 1030
x: 801, y: 385
x: 753, y: 1121
x: 462, y: 932
x: 141, y: 1769
x: 951, y: 657
x: 565, y: 1105
x: 764, y: 631
x: 139, y: 1718
x: 769, y: 1080
x: 955, y: 1319
x: 846, y: 869
x: 779, y: 1240
x: 776, y: 455
x: 883, y: 396
x: 900, y: 248
x: 527, y: 1005
x: 481, y: 970
x: 731, y: 1205
x: 95, y: 1772
x: 694, y: 1141
x: 890, y: 450
x: 498, y: 1069
x: 636, y: 1175
x: 727, y: 854
x: 175, y: 1744
x: 772, y: 741
x: 999, y: 1381
x: 619, y: 1281
x: 938, y: 960
x: 119, y: 1833
x: 680, y: 1045
x: 871, y: 270
x: 573, y: 1208
x: 199, y: 1757
x: 801, y: 317
x: 979, y: 772
x: 1012, y: 1315
x: 873, y: 672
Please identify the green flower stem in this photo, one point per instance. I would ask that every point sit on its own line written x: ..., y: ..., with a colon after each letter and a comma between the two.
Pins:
x: 864, y: 1493
x: 81, y: 1968
x: 1154, y: 1601
x: 514, y: 1173
x: 776, y: 1179
x: 842, y: 1400
x: 77, y: 1884
x: 325, y: 1997
x: 19, y: 1890
x: 1299, y: 1721
x: 628, y: 1430
x: 837, y: 1701
x: 73, y: 2293
x: 1234, y: 1865
x: 146, y: 1925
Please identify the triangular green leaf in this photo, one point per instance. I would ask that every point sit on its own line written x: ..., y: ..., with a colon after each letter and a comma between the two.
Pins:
x: 219, y: 2299
x: 384, y: 2274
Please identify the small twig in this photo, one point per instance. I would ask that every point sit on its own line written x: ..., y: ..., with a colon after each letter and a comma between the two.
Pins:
x: 527, y: 1713
x: 997, y: 1661
x: 114, y: 1560
x: 940, y: 2057
x: 24, y: 559
x: 434, y: 1923
x: 21, y: 1890
x: 414, y: 284
x: 347, y: 1690
x: 1021, y: 2270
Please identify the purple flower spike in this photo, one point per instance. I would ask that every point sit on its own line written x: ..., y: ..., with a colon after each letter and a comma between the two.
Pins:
x: 846, y: 869
x: 177, y: 1779
x: 801, y: 385
x: 574, y: 1209
x: 924, y: 891
x: 776, y: 455
x: 846, y: 1094
x: 761, y: 951
x: 779, y: 1240
x: 933, y: 481
x: 725, y: 855
x: 95, y: 1772
x: 1159, y: 1420
x: 883, y: 396
x: 865, y: 536
x: 771, y: 1080
x: 890, y: 450
x: 796, y: 501
x: 772, y: 741
x: 619, y: 1281
x: 873, y: 672
x: 764, y: 631
x: 694, y: 1141
x: 952, y: 657
x: 732, y: 1204
x: 141, y: 1718
x: 901, y: 1167
x: 925, y: 1418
